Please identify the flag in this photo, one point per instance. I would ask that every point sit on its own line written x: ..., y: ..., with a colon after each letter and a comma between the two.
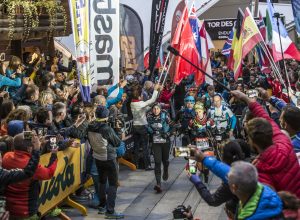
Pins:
x: 250, y: 33
x: 235, y: 58
x: 274, y: 37
x: 196, y: 34
x: 80, y: 26
x: 296, y: 12
x: 263, y: 61
x: 261, y: 26
x: 206, y: 44
x: 227, y: 46
x: 146, y: 61
x: 158, y: 17
x: 183, y: 41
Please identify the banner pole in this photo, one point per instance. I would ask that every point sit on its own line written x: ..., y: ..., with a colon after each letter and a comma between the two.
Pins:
x: 164, y: 66
x: 176, y: 53
x: 164, y: 80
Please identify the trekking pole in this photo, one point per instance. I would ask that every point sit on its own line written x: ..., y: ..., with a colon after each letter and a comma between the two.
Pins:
x: 176, y: 53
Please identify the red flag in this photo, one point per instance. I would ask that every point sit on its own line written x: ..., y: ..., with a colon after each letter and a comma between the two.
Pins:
x: 184, y: 42
x: 146, y: 61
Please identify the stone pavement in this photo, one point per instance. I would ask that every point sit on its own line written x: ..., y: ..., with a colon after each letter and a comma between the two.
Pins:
x: 137, y: 200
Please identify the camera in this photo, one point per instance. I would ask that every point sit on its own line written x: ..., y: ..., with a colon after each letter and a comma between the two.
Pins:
x: 116, y: 122
x: 27, y: 135
x: 179, y: 210
x: 182, y: 152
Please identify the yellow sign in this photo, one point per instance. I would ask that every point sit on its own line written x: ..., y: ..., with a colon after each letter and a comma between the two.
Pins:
x: 65, y: 181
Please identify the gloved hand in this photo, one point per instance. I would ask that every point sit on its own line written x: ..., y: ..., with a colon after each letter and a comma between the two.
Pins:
x: 121, y: 150
x: 195, y: 179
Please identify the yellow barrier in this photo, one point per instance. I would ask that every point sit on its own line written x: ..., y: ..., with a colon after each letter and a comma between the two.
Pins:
x: 66, y: 180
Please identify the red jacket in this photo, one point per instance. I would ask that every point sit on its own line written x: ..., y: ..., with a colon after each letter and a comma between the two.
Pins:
x: 22, y: 197
x: 277, y: 166
x: 165, y: 96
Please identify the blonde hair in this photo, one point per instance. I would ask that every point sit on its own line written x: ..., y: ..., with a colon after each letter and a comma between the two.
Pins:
x: 44, y: 96
x: 14, y: 63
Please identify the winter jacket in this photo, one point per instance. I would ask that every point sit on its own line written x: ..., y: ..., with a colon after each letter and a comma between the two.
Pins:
x: 165, y: 96
x: 112, y: 101
x: 277, y: 166
x: 16, y: 175
x: 140, y: 108
x: 103, y: 140
x: 159, y: 124
x: 264, y: 204
x: 22, y: 197
x: 226, y: 120
x: 5, y: 81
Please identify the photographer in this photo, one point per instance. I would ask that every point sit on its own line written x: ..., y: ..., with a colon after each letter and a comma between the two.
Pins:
x: 159, y: 129
x: 104, y: 142
x: 22, y: 198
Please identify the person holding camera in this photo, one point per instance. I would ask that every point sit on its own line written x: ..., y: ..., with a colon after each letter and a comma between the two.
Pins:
x: 104, y: 142
x: 159, y: 129
x: 22, y: 198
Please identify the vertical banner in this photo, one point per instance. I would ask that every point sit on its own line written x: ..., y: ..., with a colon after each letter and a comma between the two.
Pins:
x: 176, y: 17
x: 296, y: 12
x: 104, y: 42
x: 158, y: 16
x: 131, y: 40
x: 80, y: 25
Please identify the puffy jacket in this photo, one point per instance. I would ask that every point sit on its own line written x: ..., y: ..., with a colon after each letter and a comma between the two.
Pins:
x: 264, y: 204
x: 16, y: 175
x: 5, y: 81
x: 103, y: 141
x: 22, y: 197
x: 112, y: 101
x: 165, y: 96
x: 277, y: 166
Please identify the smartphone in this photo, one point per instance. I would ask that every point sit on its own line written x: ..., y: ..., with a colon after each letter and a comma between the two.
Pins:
x: 182, y: 152
x: 252, y: 93
x: 192, y: 166
x: 53, y: 144
x: 27, y: 135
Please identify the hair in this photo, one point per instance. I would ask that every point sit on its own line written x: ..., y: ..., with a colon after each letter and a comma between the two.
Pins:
x: 57, y: 108
x: 30, y: 91
x: 261, y: 133
x: 20, y: 143
x: 27, y: 109
x: 17, y: 114
x: 148, y: 85
x: 6, y: 107
x: 46, y: 79
x: 245, y: 147
x: 14, y: 63
x: 136, y: 93
x: 232, y: 152
x: 44, y: 97
x: 100, y: 99
x: 42, y: 115
x: 75, y: 111
x: 289, y: 200
x: 244, y: 176
x: 291, y: 115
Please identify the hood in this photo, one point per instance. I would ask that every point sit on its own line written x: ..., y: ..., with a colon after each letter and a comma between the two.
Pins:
x: 275, y: 157
x: 264, y: 204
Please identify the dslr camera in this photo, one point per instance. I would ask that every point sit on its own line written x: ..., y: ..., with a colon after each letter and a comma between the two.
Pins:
x: 179, y: 210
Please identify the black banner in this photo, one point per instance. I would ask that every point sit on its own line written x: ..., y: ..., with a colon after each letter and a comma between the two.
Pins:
x: 131, y: 39
x: 158, y: 16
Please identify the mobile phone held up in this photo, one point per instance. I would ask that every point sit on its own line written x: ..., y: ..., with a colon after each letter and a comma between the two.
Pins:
x: 53, y: 143
x: 192, y: 166
x: 27, y: 135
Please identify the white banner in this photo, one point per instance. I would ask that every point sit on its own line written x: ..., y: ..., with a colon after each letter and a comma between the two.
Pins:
x: 104, y: 42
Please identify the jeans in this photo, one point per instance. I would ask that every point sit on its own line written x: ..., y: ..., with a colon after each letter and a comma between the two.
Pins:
x: 140, y: 137
x: 107, y: 171
x: 161, y: 155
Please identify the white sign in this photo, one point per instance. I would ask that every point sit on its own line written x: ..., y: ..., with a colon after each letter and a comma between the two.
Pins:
x: 104, y: 39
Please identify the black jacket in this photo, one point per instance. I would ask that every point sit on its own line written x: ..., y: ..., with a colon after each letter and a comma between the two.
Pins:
x: 12, y: 176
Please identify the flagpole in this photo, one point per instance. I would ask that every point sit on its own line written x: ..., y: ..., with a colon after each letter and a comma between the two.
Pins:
x: 176, y: 53
x: 277, y: 16
x: 164, y: 66
x: 168, y: 70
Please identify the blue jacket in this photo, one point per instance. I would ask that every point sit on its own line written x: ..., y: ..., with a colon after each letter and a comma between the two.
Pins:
x: 115, y: 100
x: 296, y: 142
x: 5, y: 81
x: 163, y: 120
x: 266, y: 206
